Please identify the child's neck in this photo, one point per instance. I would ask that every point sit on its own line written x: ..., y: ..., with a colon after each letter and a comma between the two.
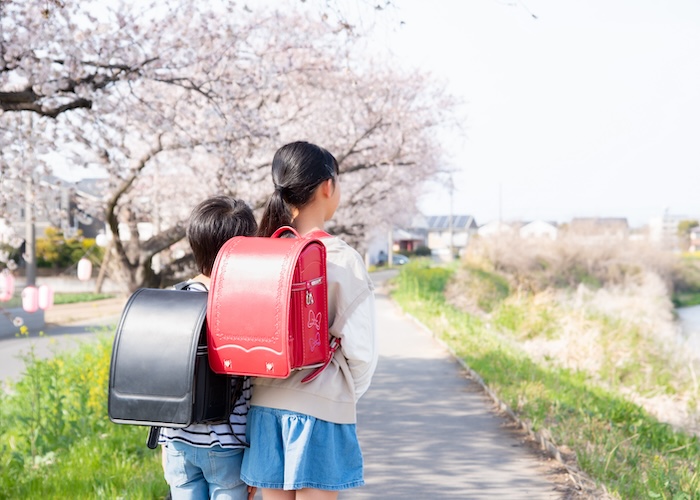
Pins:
x: 308, y: 221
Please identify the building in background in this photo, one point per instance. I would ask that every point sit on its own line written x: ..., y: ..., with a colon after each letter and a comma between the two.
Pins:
x: 663, y: 230
x: 448, y: 236
x: 539, y: 229
x: 57, y: 203
x: 433, y: 234
x: 498, y: 228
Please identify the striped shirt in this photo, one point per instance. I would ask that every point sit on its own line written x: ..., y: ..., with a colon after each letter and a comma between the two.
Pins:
x: 221, y: 434
x: 208, y: 435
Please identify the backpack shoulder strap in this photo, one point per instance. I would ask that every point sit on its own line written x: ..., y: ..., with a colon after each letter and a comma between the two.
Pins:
x: 335, y: 344
x: 186, y: 285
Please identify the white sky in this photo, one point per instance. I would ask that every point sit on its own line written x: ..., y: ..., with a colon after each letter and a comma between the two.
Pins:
x: 592, y: 109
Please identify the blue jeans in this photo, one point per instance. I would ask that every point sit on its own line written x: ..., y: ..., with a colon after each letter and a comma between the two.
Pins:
x: 195, y: 473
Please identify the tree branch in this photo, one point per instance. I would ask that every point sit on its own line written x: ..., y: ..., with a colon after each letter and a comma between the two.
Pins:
x: 164, y: 239
x: 351, y: 149
x: 367, y: 166
x: 111, y: 208
x: 28, y: 100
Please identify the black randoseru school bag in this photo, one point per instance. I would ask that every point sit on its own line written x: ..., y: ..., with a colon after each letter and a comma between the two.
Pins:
x: 159, y: 374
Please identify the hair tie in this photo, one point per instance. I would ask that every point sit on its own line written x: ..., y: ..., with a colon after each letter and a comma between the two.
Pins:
x: 279, y: 189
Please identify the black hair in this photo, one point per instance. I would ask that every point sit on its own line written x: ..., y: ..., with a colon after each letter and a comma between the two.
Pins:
x: 212, y: 223
x: 297, y: 169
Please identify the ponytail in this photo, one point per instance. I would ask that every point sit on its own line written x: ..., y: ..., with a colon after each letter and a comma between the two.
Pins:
x: 297, y: 170
x: 276, y: 215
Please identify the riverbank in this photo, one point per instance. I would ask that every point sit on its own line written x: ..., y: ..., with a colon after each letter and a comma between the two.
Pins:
x: 602, y: 309
x: 589, y: 419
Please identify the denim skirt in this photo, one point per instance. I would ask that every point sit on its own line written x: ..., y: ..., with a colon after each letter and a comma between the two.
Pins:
x: 291, y: 451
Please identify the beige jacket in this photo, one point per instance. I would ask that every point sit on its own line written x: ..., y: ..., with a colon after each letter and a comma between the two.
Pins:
x: 332, y: 395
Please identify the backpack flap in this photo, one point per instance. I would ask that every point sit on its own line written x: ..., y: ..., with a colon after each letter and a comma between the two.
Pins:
x: 153, y: 358
x: 251, y: 325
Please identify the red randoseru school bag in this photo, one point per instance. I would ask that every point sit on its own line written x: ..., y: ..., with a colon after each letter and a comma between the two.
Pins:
x: 267, y: 311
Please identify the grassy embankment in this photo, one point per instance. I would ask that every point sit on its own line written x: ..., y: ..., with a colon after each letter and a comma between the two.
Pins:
x: 687, y: 289
x: 61, y: 298
x: 56, y: 440
x: 576, y: 341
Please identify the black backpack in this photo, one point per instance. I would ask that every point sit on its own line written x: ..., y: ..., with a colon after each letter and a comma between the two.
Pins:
x: 159, y: 374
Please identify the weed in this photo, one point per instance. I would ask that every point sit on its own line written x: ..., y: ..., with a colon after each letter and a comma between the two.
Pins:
x: 56, y: 440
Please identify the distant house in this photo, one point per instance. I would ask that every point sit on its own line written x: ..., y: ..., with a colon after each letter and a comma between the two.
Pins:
x: 444, y: 232
x: 539, y: 229
x: 498, y: 228
x: 402, y: 240
x: 436, y: 232
x: 407, y: 241
x: 596, y: 228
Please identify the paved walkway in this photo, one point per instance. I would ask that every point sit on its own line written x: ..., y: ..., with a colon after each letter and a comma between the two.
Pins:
x: 426, y: 431
x: 66, y: 327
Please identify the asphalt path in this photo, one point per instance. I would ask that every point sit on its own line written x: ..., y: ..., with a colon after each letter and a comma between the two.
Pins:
x: 426, y: 430
x: 14, y: 350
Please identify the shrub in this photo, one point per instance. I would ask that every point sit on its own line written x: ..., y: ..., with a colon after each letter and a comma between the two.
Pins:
x: 686, y: 282
x: 58, y: 252
x: 476, y: 290
x: 422, y: 251
x: 536, y: 265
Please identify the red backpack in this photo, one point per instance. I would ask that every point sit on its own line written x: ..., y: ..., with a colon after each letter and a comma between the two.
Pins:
x: 267, y: 311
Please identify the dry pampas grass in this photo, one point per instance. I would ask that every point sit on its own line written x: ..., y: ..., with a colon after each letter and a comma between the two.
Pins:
x: 610, y: 312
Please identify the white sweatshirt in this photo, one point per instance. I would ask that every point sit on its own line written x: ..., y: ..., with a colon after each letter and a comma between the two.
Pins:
x: 333, y: 394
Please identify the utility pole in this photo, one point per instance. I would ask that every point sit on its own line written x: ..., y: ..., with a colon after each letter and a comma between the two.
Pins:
x: 451, y: 187
x: 30, y: 231
x: 30, y: 234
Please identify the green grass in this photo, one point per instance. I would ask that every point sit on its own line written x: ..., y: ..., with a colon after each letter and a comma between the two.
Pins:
x: 686, y: 299
x: 56, y: 440
x: 616, y: 442
x: 60, y: 298
x: 686, y: 290
x: 487, y: 289
x: 72, y: 298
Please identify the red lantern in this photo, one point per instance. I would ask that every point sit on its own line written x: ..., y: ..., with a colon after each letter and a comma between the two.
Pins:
x: 45, y: 297
x: 7, y: 286
x: 84, y: 269
x: 30, y: 299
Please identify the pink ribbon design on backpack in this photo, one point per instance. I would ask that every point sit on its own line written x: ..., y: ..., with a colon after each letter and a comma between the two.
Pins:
x: 315, y: 342
x: 314, y: 321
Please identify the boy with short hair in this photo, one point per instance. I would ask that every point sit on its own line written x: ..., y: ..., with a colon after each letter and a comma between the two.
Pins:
x: 203, y: 461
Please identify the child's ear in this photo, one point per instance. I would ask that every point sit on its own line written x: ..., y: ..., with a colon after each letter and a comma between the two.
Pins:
x: 327, y: 188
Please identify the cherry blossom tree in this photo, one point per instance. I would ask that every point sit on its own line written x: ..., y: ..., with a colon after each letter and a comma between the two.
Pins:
x: 177, y: 100
x: 384, y: 131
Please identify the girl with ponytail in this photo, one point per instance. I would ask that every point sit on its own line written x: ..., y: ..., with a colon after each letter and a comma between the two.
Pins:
x: 303, y: 439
